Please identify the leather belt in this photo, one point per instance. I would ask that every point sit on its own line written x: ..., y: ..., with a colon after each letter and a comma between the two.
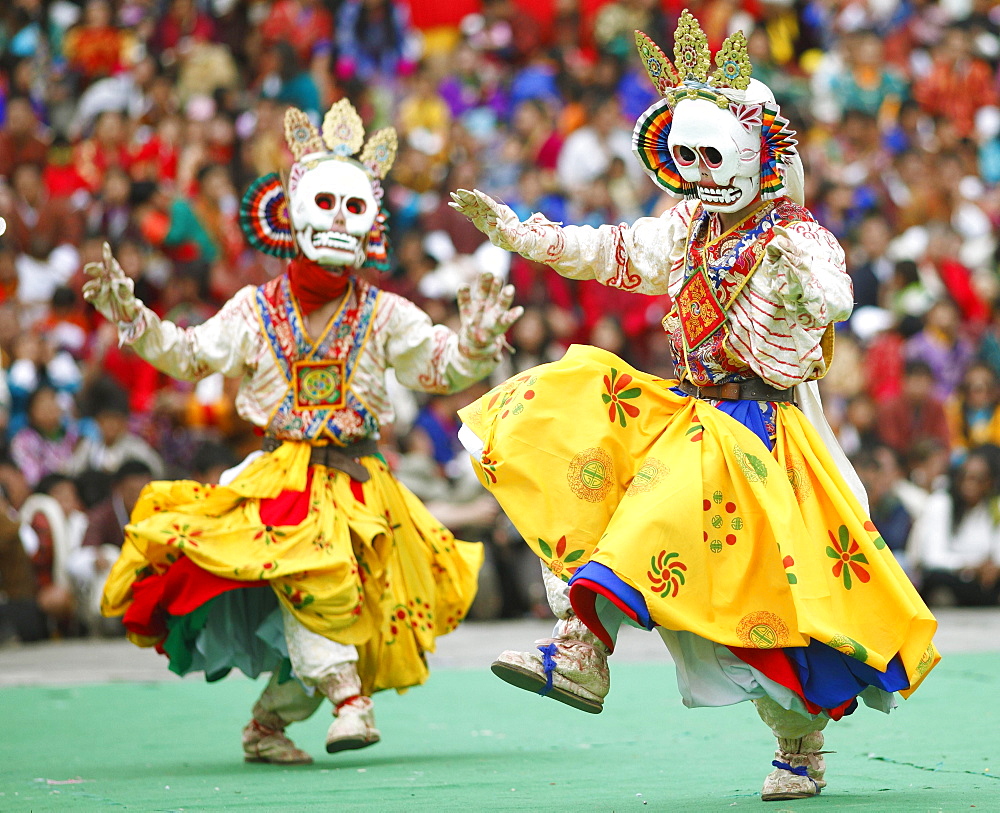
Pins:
x: 341, y: 458
x: 754, y: 389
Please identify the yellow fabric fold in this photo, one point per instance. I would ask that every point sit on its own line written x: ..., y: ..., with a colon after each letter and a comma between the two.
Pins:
x: 378, y: 571
x: 594, y: 460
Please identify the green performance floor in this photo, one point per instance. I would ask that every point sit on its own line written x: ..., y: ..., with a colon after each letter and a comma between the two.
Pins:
x: 468, y: 742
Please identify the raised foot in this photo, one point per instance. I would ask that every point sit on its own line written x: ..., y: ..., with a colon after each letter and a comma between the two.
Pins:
x: 354, y: 726
x: 523, y: 676
x: 350, y: 743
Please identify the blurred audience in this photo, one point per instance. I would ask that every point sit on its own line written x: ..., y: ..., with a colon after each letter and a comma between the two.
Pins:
x: 956, y: 539
x: 142, y: 124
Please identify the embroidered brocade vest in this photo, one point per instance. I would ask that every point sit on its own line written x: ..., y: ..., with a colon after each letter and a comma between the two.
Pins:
x: 319, y: 404
x: 715, y: 272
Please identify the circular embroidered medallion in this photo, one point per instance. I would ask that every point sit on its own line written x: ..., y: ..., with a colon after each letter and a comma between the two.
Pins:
x: 926, y: 660
x: 591, y: 474
x: 754, y: 468
x: 762, y: 630
x: 319, y: 385
x: 475, y: 415
x: 799, y: 478
x: 848, y: 646
x: 650, y: 475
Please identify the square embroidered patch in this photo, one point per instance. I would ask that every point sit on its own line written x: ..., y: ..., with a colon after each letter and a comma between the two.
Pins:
x: 319, y: 384
x: 699, y: 311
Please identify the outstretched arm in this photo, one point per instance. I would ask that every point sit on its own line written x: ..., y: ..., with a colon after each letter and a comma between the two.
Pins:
x: 435, y: 358
x: 221, y: 344
x: 639, y: 258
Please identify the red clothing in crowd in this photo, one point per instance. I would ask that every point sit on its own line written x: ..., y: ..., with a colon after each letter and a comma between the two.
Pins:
x: 902, y: 424
x: 15, y: 151
x: 308, y: 27
x: 958, y: 280
x: 956, y: 92
x: 95, y: 51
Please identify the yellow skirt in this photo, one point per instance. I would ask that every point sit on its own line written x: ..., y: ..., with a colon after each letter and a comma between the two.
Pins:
x: 368, y: 565
x: 595, y: 461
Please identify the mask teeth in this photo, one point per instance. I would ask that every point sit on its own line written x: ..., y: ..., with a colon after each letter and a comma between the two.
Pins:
x: 718, y: 195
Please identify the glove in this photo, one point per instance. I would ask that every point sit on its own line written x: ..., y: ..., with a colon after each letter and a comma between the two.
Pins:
x: 110, y: 291
x: 536, y: 239
x: 782, y: 252
x: 485, y: 315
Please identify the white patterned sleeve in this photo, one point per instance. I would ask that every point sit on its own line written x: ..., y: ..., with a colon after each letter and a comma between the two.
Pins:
x: 222, y: 344
x: 426, y: 356
x: 646, y: 257
x: 811, y: 280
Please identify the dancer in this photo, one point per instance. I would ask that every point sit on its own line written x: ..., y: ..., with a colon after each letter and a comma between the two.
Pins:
x: 715, y: 508
x: 310, y: 554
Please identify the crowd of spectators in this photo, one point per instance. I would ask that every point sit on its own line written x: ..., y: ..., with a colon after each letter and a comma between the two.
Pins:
x: 141, y: 123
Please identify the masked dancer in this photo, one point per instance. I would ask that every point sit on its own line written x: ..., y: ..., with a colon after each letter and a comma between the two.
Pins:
x: 310, y: 560
x: 715, y: 508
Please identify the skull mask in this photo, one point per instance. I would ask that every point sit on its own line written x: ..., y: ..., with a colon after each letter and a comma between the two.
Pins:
x: 713, y: 150
x: 332, y: 208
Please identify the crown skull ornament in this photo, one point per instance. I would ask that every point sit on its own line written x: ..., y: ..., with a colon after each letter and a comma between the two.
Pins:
x: 725, y: 122
x: 331, y: 211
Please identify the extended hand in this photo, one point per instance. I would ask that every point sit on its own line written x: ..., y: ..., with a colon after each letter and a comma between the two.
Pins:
x: 781, y: 248
x: 110, y: 291
x: 492, y: 218
x: 486, y: 315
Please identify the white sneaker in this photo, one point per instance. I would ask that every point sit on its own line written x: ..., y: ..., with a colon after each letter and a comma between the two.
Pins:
x: 354, y: 726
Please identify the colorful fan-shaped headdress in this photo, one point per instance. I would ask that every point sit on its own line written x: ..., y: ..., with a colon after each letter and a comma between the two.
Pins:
x: 688, y: 78
x: 264, y: 213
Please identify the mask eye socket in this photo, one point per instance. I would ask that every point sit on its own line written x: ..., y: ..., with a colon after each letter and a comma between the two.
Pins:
x: 713, y: 158
x: 684, y: 156
x: 326, y: 201
x: 356, y: 206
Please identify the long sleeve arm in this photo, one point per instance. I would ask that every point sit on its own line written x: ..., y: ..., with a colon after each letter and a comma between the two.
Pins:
x: 222, y: 344
x: 807, y: 266
x: 426, y: 356
x: 640, y: 258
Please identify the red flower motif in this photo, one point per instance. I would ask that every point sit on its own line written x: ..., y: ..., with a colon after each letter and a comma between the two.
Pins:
x: 845, y: 551
x: 616, y: 394
x: 559, y: 560
x: 666, y: 576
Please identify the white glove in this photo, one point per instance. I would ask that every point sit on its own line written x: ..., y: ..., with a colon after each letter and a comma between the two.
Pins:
x: 782, y: 252
x: 110, y: 291
x: 790, y: 264
x: 485, y: 314
x: 536, y: 239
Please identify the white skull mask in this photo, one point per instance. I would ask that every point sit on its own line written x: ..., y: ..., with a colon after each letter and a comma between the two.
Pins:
x: 333, y: 208
x: 713, y: 150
